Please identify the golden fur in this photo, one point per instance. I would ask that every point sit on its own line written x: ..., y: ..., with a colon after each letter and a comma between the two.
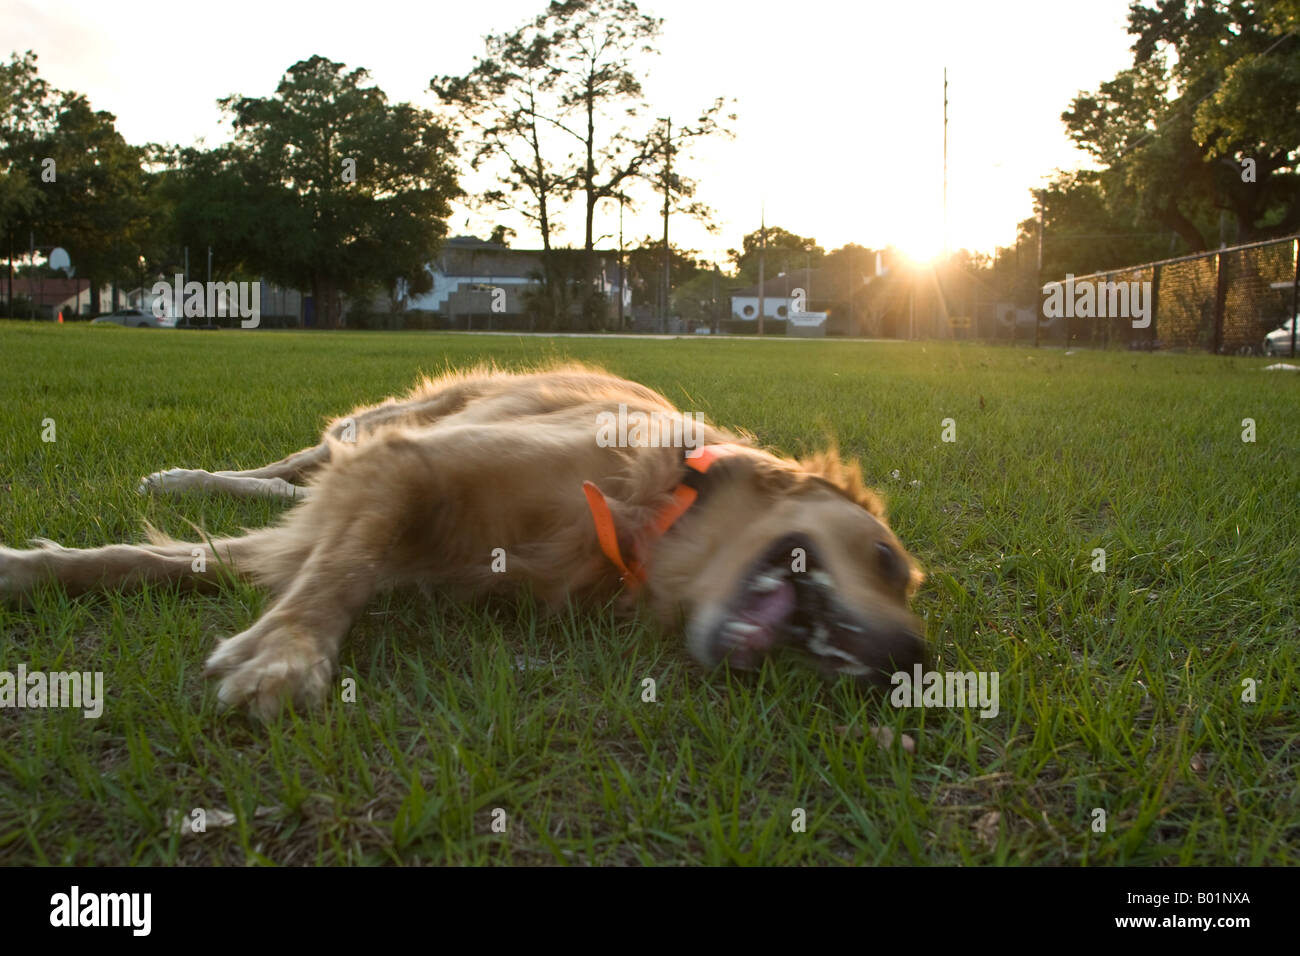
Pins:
x: 422, y: 489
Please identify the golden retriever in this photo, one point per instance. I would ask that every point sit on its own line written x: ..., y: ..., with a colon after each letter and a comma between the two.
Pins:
x: 487, y: 481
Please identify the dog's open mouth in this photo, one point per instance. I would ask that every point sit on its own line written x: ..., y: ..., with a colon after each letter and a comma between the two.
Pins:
x: 787, y: 598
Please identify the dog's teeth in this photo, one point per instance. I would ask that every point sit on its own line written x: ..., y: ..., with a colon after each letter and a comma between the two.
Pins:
x: 740, y: 627
x: 765, y: 583
x: 829, y: 650
x: 822, y: 647
x: 853, y: 628
x: 820, y: 578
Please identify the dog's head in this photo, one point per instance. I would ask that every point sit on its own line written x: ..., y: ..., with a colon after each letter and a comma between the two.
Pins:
x: 780, y: 553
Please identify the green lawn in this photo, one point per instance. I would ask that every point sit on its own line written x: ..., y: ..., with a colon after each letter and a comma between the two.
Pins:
x: 1120, y: 691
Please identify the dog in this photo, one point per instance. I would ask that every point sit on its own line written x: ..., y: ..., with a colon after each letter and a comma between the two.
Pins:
x: 487, y: 481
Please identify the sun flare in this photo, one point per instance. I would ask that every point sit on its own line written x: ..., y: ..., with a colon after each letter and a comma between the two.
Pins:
x: 920, y: 247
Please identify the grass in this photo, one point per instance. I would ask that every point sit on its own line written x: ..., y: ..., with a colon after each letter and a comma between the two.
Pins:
x: 1120, y: 690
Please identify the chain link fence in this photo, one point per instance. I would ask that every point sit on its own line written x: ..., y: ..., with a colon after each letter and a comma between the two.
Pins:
x: 1225, y: 301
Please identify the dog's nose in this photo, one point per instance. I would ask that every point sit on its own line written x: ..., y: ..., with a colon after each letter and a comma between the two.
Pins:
x: 887, y: 652
x: 904, y: 649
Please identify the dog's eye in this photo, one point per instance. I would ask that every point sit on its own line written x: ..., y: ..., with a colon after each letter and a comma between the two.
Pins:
x: 891, y: 564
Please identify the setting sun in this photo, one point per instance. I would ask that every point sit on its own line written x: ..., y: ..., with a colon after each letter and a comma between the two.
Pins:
x: 920, y: 247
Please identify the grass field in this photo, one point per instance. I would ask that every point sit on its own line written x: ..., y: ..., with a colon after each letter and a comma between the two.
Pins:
x: 1120, y: 690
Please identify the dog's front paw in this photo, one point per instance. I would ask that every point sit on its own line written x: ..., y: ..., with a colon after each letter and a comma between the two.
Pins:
x: 171, y: 482
x: 268, y: 666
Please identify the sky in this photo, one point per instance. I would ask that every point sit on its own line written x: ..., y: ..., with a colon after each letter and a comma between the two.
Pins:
x: 839, y: 103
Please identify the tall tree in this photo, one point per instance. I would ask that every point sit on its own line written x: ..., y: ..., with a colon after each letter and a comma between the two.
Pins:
x: 645, y: 265
x: 364, y: 186
x: 785, y: 251
x: 1084, y: 233
x: 508, y: 102
x: 560, y: 102
x: 596, y: 49
x: 1173, y: 131
x: 28, y: 109
x: 93, y: 202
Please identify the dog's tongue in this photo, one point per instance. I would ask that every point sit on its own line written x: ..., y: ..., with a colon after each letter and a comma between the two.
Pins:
x: 770, y: 612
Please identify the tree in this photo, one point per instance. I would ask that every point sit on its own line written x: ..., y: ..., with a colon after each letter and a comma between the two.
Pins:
x: 1173, y: 130
x: 501, y: 235
x: 1084, y: 233
x: 28, y: 107
x: 92, y: 202
x: 1242, y: 119
x: 673, y: 144
x: 785, y: 251
x: 645, y: 269
x: 594, y: 43
x: 567, y: 84
x: 507, y: 100
x: 705, y: 297
x: 353, y: 193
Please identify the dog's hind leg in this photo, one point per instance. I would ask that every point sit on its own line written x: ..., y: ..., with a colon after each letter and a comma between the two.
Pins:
x: 77, y: 570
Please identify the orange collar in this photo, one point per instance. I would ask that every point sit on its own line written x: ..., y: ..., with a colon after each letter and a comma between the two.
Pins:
x: 633, y: 572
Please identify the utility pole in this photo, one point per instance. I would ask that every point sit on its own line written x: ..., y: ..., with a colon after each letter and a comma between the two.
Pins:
x: 621, y: 278
x: 177, y: 306
x: 945, y: 162
x: 713, y: 314
x: 1038, y: 275
x: 762, y: 262
x: 668, y: 178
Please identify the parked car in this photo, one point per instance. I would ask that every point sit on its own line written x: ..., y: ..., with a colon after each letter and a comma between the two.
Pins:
x: 135, y: 319
x: 1278, y: 342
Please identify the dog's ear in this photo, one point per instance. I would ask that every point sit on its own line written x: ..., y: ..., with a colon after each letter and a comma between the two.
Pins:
x: 846, y: 477
x: 774, y: 477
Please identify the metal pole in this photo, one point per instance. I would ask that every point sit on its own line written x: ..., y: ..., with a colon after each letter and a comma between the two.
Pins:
x: 945, y: 162
x: 1105, y: 329
x: 621, y: 277
x: 1295, y: 292
x: 713, y: 311
x: 668, y: 174
x: 762, y: 263
x: 1038, y: 276
x: 1220, y: 300
x: 808, y: 277
x: 911, y: 309
x: 40, y: 278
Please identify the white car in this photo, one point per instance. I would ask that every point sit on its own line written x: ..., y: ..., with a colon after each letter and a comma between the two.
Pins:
x: 1278, y: 342
x: 135, y: 319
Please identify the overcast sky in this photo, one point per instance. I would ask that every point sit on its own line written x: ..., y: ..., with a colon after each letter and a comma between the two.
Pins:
x: 839, y: 128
